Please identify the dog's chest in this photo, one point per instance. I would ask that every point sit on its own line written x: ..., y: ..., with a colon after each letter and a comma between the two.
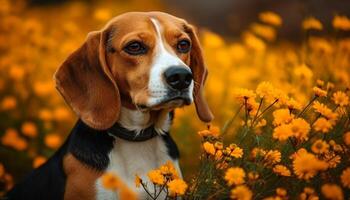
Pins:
x: 130, y: 158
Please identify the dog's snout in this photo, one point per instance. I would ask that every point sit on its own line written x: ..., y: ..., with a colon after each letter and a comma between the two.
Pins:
x: 178, y: 77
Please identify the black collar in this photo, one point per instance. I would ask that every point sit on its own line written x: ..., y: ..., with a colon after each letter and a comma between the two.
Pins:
x: 123, y: 133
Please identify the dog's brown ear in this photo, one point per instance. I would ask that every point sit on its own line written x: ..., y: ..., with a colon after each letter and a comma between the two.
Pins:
x: 86, y: 83
x: 200, y: 73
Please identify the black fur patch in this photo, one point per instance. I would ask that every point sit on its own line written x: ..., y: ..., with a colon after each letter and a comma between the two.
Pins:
x: 173, y: 151
x: 46, y: 182
x: 90, y: 146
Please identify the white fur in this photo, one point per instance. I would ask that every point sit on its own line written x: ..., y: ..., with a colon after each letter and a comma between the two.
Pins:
x: 130, y: 158
x: 162, y: 61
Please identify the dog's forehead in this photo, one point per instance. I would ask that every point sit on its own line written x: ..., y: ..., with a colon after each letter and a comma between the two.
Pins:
x: 132, y: 21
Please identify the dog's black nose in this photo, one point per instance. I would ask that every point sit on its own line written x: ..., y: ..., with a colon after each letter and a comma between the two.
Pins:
x: 178, y: 78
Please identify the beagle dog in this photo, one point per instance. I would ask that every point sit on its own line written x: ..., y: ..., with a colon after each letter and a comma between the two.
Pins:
x: 123, y: 83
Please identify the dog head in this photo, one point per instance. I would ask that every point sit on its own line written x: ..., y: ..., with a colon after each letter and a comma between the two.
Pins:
x: 148, y: 61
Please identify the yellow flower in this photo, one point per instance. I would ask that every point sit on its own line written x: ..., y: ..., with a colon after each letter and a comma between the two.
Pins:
x: 177, y: 187
x: 45, y: 115
x: 306, y: 165
x: 345, y: 177
x: 138, y: 181
x: 282, y: 116
x: 218, y: 154
x: 61, y: 113
x: 320, y: 147
x: 209, y: 148
x: 265, y: 90
x: 253, y: 42
x: 272, y: 157
x: 236, y: 152
x: 258, y: 152
x: 325, y: 111
x: 234, y: 175
x: 312, y: 23
x: 264, y: 31
x: 308, y: 194
x: 332, y: 159
x: 332, y: 191
x: 241, y: 192
x: 212, y: 40
x: 38, y: 161
x: 29, y: 129
x: 340, y: 98
x: 126, y: 194
x: 213, y: 131
x: 300, y: 129
x: 169, y: 169
x: 110, y: 181
x: 293, y: 104
x: 102, y: 14
x: 281, y: 170
x: 156, y: 177
x: 17, y: 73
x: 323, y: 125
x: 8, y: 103
x: 281, y: 192
x: 53, y: 140
x: 341, y: 22
x: 303, y: 72
x: 253, y: 176
x: 12, y: 139
x: 319, y: 92
x: 270, y: 18
x: 282, y: 132
x: 346, y: 138
x: 244, y: 94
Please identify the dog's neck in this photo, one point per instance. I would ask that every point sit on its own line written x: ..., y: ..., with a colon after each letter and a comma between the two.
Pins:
x: 136, y: 120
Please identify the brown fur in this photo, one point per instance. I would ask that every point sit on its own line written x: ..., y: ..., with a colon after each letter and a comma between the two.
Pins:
x: 81, y: 180
x: 88, y: 79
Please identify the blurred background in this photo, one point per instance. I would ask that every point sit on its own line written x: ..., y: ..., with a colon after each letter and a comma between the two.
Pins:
x: 289, y: 43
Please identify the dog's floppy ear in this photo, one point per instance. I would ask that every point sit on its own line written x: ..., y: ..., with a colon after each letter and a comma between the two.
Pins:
x: 86, y: 83
x: 200, y: 73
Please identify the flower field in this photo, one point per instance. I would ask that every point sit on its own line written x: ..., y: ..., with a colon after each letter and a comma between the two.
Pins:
x: 282, y: 109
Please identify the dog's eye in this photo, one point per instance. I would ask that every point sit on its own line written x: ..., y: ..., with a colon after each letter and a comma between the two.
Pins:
x: 135, y: 48
x: 184, y: 46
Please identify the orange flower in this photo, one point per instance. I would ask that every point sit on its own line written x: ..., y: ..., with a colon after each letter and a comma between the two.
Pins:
x: 312, y: 23
x: 347, y: 138
x: 12, y: 139
x: 323, y: 125
x: 234, y: 175
x: 340, y: 98
x: 341, y: 22
x: 156, y: 177
x: 306, y: 165
x: 209, y: 148
x: 29, y: 129
x: 282, y: 116
x: 213, y: 131
x: 270, y: 18
x: 319, y: 92
x: 281, y: 170
x: 177, y: 187
x: 53, y: 140
x: 138, y: 181
x: 110, y: 181
x: 332, y: 191
x: 38, y: 161
x: 8, y: 103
